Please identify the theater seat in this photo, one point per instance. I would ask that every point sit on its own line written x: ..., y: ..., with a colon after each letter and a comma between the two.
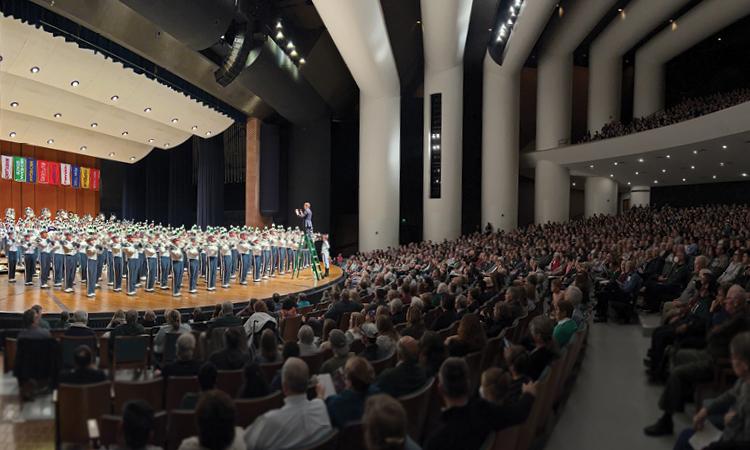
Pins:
x: 177, y: 387
x: 416, y: 405
x: 109, y: 430
x: 181, y: 426
x: 151, y: 391
x: 289, y: 327
x: 351, y: 436
x: 249, y: 409
x: 74, y: 405
x: 229, y: 381
x: 328, y: 442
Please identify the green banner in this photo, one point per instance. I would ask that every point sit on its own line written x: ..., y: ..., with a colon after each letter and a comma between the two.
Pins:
x: 19, y: 169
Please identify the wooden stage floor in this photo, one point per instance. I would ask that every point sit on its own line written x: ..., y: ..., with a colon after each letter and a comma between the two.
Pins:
x: 15, y: 297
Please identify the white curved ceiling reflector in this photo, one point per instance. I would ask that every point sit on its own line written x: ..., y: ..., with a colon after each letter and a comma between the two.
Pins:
x: 84, y: 87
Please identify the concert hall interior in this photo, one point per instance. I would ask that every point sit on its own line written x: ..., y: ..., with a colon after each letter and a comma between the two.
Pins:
x: 375, y: 224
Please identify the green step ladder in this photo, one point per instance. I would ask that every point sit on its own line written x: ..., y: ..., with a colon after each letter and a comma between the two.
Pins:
x: 306, y: 243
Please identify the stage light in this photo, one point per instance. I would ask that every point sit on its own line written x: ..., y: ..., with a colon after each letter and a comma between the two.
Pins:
x: 278, y: 25
x: 695, y: 152
x: 591, y: 166
x: 34, y: 69
x: 75, y: 83
x: 124, y: 133
x: 12, y: 134
x: 83, y: 148
x: 615, y: 163
x: 611, y: 175
x: 744, y: 174
x: 14, y: 104
x: 175, y: 120
x: 147, y: 110
x: 94, y: 125
x: 668, y: 156
x: 640, y: 160
x: 290, y: 45
x: 302, y: 61
x: 683, y: 180
x: 574, y: 183
x: 656, y: 181
x: 114, y: 98
x: 692, y: 167
x: 57, y: 115
x: 663, y: 170
x: 628, y: 183
x: 279, y: 35
x: 50, y: 141
x: 637, y: 173
x: 293, y: 54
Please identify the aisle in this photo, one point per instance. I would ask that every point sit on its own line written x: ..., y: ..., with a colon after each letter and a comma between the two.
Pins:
x: 611, y: 401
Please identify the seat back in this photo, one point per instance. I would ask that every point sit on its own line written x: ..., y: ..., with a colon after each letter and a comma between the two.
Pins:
x: 382, y: 364
x: 314, y: 361
x: 527, y: 430
x: 249, y: 409
x: 170, y: 348
x: 357, y: 346
x: 327, y: 442
x: 30, y: 366
x: 492, y: 351
x: 229, y: 381
x: 474, y: 361
x: 416, y: 405
x: 305, y: 309
x: 181, y: 426
x: 177, y: 387
x: 507, y: 439
x: 352, y: 436
x: 68, y: 344
x: 9, y: 354
x: 289, y: 327
x: 269, y: 370
x: 109, y: 430
x: 344, y: 321
x: 130, y: 352
x: 76, y: 403
x: 151, y: 391
x: 215, y: 341
x: 104, y: 356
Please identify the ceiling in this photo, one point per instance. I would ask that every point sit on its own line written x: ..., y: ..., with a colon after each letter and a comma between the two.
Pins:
x: 53, y: 92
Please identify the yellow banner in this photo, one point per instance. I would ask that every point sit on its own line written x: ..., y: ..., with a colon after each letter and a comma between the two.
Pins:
x: 85, y: 177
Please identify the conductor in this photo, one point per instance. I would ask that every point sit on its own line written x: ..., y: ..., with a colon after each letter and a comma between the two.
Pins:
x: 306, y: 215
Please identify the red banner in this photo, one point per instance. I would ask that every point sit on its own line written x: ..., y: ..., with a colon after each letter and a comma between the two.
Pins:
x: 54, y: 173
x: 42, y: 172
x: 95, y: 179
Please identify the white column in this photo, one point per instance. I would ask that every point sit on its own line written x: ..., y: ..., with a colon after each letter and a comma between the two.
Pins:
x: 640, y: 196
x: 605, y: 61
x: 444, y: 28
x: 600, y: 196
x: 500, y: 117
x: 358, y: 29
x: 700, y: 22
x: 551, y: 193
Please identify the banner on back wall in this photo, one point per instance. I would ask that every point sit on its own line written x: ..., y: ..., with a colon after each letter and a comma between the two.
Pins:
x: 30, y: 170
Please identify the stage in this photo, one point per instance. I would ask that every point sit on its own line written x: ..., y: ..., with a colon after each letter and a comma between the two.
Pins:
x: 16, y: 298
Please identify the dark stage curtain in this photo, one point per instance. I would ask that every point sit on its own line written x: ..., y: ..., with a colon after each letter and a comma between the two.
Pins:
x: 157, y: 186
x: 210, y: 182
x: 181, y: 208
x: 134, y: 191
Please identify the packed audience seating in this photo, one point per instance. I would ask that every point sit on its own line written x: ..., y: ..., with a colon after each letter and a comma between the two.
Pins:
x: 685, y: 110
x: 472, y: 343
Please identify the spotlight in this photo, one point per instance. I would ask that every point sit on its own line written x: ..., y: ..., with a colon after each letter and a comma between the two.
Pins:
x: 695, y: 152
x: 14, y: 104
x: 278, y: 25
x: 124, y: 133
x: 683, y: 180
x: 640, y: 160
x: 290, y: 45
x: 175, y: 120
x: 692, y: 167
x: 663, y: 170
x: 302, y: 61
x: 714, y: 177
x: 724, y: 147
x: 50, y: 141
x: 208, y: 133
x: 57, y: 115
x: 656, y: 181
x: 94, y: 125
x: 293, y: 54
x: 147, y: 110
x: 75, y: 83
x: 166, y: 145
x: 151, y: 141
x: 194, y: 127
x: 668, y: 156
x: 114, y: 98
x: 132, y: 158
x: 83, y: 148
x: 637, y: 173
x: 591, y: 166
x: 12, y: 134
x: 34, y: 69
x: 279, y: 35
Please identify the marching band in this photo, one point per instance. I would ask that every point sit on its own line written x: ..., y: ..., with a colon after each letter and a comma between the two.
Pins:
x: 69, y: 248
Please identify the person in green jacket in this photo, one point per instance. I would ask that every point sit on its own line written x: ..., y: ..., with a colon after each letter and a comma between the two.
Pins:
x: 566, y: 327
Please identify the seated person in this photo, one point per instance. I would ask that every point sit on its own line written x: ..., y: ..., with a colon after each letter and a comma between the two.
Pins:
x: 254, y: 385
x: 137, y: 425
x: 84, y: 372
x: 516, y: 359
x: 387, y: 336
x: 298, y: 423
x: 566, y: 327
x: 259, y: 321
x: 669, y: 285
x: 79, y: 325
x: 398, y: 314
x: 131, y: 327
x: 495, y: 384
x: 432, y: 353
x: 415, y: 322
x: 370, y: 339
x: 149, y: 319
x: 215, y: 416
x: 466, y: 423
x: 447, y: 314
x: 306, y: 341
x: 290, y: 350
x: 408, y: 376
x: 544, y: 350
x: 207, y: 376
x: 470, y: 337
x: 233, y: 356
x: 384, y: 424
x: 348, y: 405
x: 32, y: 327
x: 174, y: 325
x: 340, y: 347
x: 184, y: 365
x: 269, y: 351
x: 732, y: 408
x: 226, y: 318
x: 502, y: 318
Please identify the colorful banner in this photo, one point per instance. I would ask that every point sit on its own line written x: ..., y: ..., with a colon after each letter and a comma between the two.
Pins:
x: 95, y: 179
x: 19, y: 169
x: 30, y: 170
x: 65, y: 174
x: 85, y: 177
x: 54, y: 173
x: 42, y: 172
x: 7, y: 168
x: 76, y: 177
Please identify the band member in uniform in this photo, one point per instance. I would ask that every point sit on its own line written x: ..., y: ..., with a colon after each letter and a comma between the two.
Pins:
x: 175, y: 254
x: 266, y: 244
x: 193, y: 253
x: 257, y: 249
x: 243, y: 250
x: 11, y: 252
x: 117, y: 263
x: 325, y: 251
x: 45, y: 258
x: 29, y: 258
x: 225, y: 252
x: 69, y: 247
x: 92, y: 257
x: 165, y: 263
x: 212, y: 256
x: 81, y: 257
x: 131, y: 253
x: 58, y: 260
x: 235, y: 252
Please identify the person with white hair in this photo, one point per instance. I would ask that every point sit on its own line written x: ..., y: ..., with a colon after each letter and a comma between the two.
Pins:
x: 574, y: 295
x: 79, y: 325
x: 306, y: 341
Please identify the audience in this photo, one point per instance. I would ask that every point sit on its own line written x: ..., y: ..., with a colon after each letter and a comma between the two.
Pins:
x: 384, y: 424
x: 215, y: 416
x: 269, y: 351
x: 233, y: 356
x: 544, y: 351
x: 32, y: 328
x: 174, y: 325
x: 184, y: 365
x: 415, y: 322
x: 137, y: 425
x: 254, y: 385
x: 348, y: 405
x: 306, y: 341
x: 566, y: 327
x: 207, y: 376
x: 131, y: 327
x: 84, y: 371
x: 408, y: 375
x: 432, y: 353
x: 470, y: 337
x: 299, y: 423
x: 78, y: 325
x: 340, y: 347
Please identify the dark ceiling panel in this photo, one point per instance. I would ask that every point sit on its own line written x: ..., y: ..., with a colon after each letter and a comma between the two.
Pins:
x: 483, y: 14
x: 405, y: 34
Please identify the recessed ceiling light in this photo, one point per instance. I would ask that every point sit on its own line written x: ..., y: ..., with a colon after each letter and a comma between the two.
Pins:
x: 147, y: 110
x: 175, y: 120
x: 656, y: 181
x: 14, y: 104
x: 132, y: 158
x: 111, y: 153
x: 151, y: 141
x: 724, y: 147
x: 194, y: 127
x: 695, y: 152
x: 718, y: 39
x: 615, y: 163
x: 692, y: 167
x: 208, y: 133
x: 279, y: 35
x: 302, y: 60
x: 574, y: 183
x: 668, y: 156
x: 619, y: 9
x: 611, y: 175
x: 663, y: 170
x: 628, y: 183
x: 94, y: 124
x: 83, y: 148
x: 57, y: 115
x: 75, y: 83
x: 290, y: 45
x: 34, y: 69
x: 744, y: 174
x: 591, y: 166
x: 636, y: 172
x: 124, y: 133
x: 684, y: 180
x: 166, y: 145
x: 640, y: 160
x: 721, y: 164
x: 12, y: 134
x: 50, y: 141
x: 714, y: 177
x: 114, y: 98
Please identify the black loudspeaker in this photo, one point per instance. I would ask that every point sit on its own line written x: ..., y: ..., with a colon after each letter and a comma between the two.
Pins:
x: 270, y: 177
